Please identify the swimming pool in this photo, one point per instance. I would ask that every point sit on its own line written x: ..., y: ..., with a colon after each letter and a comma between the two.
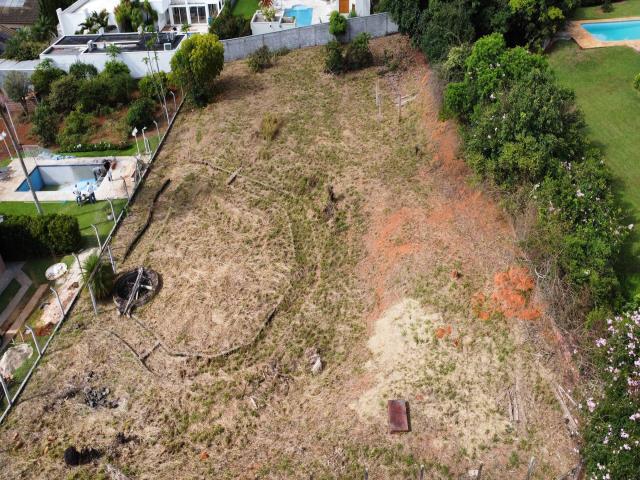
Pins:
x: 614, y: 31
x: 302, y: 13
x: 60, y: 178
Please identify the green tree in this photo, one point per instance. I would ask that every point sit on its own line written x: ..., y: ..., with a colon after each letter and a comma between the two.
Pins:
x: 45, y: 123
x: 16, y: 86
x: 82, y: 71
x: 64, y: 93
x: 444, y: 24
x: 358, y: 55
x: 140, y: 113
x: 196, y: 65
x: 22, y: 46
x: 44, y: 75
x: 337, y: 24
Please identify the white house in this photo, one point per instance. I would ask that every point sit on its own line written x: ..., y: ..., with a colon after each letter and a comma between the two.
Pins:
x: 171, y: 13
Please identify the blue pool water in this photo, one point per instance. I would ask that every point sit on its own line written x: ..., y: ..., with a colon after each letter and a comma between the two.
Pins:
x: 614, y: 31
x: 59, y: 177
x: 303, y: 14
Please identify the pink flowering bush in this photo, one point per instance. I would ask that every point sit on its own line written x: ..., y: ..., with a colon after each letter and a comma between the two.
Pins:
x: 612, y: 435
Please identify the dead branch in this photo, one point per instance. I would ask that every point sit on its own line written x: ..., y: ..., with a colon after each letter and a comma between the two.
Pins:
x: 131, y: 349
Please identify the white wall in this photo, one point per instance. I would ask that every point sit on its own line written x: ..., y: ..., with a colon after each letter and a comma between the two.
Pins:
x: 134, y: 60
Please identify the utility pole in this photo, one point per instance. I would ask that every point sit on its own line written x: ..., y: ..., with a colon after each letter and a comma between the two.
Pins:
x: 18, y: 148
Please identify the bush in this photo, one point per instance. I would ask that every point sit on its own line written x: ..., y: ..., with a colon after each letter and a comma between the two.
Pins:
x: 99, y: 147
x: 454, y: 67
x: 226, y: 25
x: 269, y: 126
x: 121, y: 86
x: 83, y: 71
x: 102, y: 280
x: 358, y: 55
x: 333, y: 59
x: 607, y: 6
x: 23, y: 236
x: 140, y: 113
x: 352, y: 12
x: 115, y: 67
x: 64, y: 93
x: 93, y: 94
x: 148, y: 85
x: 44, y: 75
x: 196, y: 65
x: 16, y: 86
x: 24, y: 45
x: 636, y: 82
x: 77, y: 127
x: 45, y: 124
x: 260, y: 60
x: 613, y: 430
x: 337, y: 24
x: 444, y: 24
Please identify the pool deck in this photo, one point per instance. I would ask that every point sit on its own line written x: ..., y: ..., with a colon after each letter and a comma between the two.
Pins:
x: 585, y: 40
x: 321, y: 8
x: 121, y: 174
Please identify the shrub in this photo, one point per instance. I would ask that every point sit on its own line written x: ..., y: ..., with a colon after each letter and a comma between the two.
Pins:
x: 102, y: 280
x: 226, y: 25
x: 333, y: 58
x: 83, y: 71
x: 444, y: 24
x: 44, y: 75
x: 77, y: 127
x: 140, y: 113
x: 93, y: 94
x: 24, y: 45
x: 64, y: 93
x: 45, y: 123
x: 613, y: 429
x: 196, y: 65
x: 337, y: 24
x: 260, y: 60
x: 358, y: 55
x: 121, y: 86
x: 454, y: 67
x: 148, y: 85
x: 23, y: 236
x: 115, y: 67
x: 607, y: 6
x: 269, y: 126
x: 352, y: 12
x: 636, y: 82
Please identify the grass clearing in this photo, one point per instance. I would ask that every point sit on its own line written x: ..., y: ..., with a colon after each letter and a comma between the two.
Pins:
x: 332, y: 226
x: 626, y: 8
x: 602, y: 79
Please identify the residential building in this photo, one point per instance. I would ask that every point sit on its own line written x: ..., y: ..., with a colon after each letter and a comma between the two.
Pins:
x: 172, y: 14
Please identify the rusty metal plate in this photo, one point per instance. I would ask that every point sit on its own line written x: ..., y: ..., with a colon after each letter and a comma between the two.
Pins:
x: 398, y: 416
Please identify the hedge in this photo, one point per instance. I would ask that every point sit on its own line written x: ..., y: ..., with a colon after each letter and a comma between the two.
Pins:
x: 23, y: 236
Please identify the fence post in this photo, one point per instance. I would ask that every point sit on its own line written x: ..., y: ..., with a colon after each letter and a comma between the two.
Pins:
x: 35, y: 340
x: 95, y: 229
x: 113, y: 212
x: 6, y: 391
x: 58, y: 299
x: 93, y: 299
x: 113, y: 263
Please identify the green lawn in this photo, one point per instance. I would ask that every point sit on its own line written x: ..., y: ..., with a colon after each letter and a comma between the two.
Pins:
x: 627, y: 8
x: 8, y: 293
x: 86, y: 214
x: 246, y: 8
x: 132, y: 150
x: 602, y: 79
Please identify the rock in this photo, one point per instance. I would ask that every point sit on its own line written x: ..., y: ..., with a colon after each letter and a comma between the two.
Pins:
x: 316, y: 367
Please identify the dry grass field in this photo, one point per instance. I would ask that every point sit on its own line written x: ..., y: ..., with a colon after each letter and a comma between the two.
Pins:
x: 405, y: 280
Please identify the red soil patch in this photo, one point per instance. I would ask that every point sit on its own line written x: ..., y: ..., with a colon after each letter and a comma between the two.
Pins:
x: 510, y: 297
x: 442, y: 332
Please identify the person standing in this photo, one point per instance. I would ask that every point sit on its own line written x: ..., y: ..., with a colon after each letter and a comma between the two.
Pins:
x: 91, y: 193
x: 76, y: 192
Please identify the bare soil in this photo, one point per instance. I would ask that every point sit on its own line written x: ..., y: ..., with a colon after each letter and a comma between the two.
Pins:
x: 381, y: 280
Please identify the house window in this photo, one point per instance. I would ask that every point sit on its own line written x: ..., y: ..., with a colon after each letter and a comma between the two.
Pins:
x: 180, y: 15
x: 213, y: 10
x: 198, y: 14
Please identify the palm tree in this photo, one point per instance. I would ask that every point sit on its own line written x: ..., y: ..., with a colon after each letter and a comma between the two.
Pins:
x: 94, y: 22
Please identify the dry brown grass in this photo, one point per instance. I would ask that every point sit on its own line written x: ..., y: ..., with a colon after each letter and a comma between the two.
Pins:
x: 342, y: 278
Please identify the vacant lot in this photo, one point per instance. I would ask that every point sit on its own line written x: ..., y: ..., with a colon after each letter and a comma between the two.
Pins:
x: 347, y: 236
x: 603, y: 81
